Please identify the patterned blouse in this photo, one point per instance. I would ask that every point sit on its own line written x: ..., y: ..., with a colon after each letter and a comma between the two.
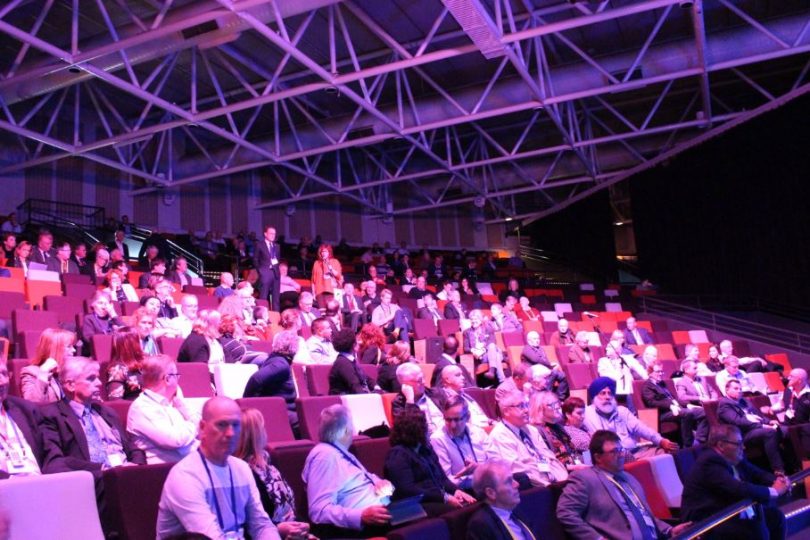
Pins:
x: 579, y: 437
x: 279, y: 491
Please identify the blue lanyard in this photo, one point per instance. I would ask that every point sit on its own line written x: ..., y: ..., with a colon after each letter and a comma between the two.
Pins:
x: 353, y: 462
x: 220, y: 519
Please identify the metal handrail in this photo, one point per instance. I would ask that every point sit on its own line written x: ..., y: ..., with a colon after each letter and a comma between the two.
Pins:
x: 701, y: 527
x: 790, y: 339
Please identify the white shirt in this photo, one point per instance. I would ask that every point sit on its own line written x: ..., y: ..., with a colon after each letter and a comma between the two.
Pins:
x: 537, y: 460
x: 165, y: 430
x: 321, y: 351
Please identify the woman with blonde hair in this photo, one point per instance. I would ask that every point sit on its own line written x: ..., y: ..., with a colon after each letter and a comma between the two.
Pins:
x: 39, y: 382
x: 276, y: 494
x: 202, y: 343
x: 118, y: 289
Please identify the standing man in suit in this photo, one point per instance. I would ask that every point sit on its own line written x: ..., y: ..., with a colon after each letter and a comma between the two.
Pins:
x: 62, y: 263
x: 22, y: 438
x: 268, y: 254
x: 604, y: 502
x: 722, y: 477
x: 635, y: 335
x: 118, y: 243
x: 496, y: 520
x: 81, y: 434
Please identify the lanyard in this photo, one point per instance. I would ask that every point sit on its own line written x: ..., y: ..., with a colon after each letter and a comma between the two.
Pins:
x: 469, y: 441
x: 527, y: 442
x: 220, y: 519
x: 633, y: 499
x: 354, y: 463
x: 4, y: 432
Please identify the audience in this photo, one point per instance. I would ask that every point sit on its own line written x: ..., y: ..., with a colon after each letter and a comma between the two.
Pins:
x: 580, y: 352
x: 39, y: 382
x: 413, y: 394
x: 211, y: 492
x: 794, y: 404
x: 346, y: 376
x: 692, y: 388
x: 731, y: 372
x: 623, y: 369
x: 563, y: 335
x: 479, y: 340
x: 144, y: 320
x: 225, y: 287
x: 117, y: 289
x: 496, y: 519
x: 691, y: 419
x: 636, y: 335
x: 202, y: 344
x: 159, y: 419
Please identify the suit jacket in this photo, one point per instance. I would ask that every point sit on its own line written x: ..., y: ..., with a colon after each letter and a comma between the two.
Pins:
x: 530, y: 355
x: 28, y: 418
x: 487, y: 337
x: 486, y: 525
x: 733, y: 412
x: 174, y: 277
x: 55, y: 265
x: 655, y: 396
x: 450, y: 311
x: 346, y: 377
x: 344, y: 304
x: 124, y: 251
x: 589, y: 507
x: 688, y: 392
x: 66, y: 445
x: 576, y: 355
x: 630, y: 339
x: 195, y: 348
x: 262, y: 258
x: 36, y: 255
x: 710, y: 485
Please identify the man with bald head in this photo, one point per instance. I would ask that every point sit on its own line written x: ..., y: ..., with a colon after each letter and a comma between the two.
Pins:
x: 533, y: 352
x: 210, y: 492
x: 795, y: 403
x: 452, y: 384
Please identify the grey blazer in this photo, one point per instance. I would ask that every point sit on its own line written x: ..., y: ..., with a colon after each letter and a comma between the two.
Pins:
x: 589, y: 507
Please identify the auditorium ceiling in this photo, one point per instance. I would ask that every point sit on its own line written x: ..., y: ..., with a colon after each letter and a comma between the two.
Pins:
x: 512, y: 109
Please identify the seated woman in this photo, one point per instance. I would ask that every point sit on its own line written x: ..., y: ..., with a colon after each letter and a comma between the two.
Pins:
x: 39, y: 382
x: 479, y: 340
x: 414, y: 469
x: 525, y: 312
x: 144, y: 321
x: 236, y: 345
x: 290, y: 320
x: 370, y: 343
x: 22, y: 255
x: 346, y: 377
x: 202, y: 343
x: 102, y: 319
x: 124, y: 372
x: 574, y: 411
x: 387, y: 374
x: 274, y: 377
x: 118, y: 290
x: 277, y: 496
x: 546, y: 415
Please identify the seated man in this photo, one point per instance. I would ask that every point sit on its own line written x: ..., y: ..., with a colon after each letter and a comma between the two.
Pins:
x: 62, y: 263
x: 451, y: 383
x: 163, y: 292
x: 496, y: 519
x: 414, y: 394
x: 622, y: 368
x: 517, y: 442
x: 210, y: 492
x: 543, y: 379
x: 532, y: 352
x: 159, y: 420
x: 319, y: 344
x: 479, y: 340
x: 691, y: 419
x: 794, y: 406
x: 157, y: 271
x: 419, y: 290
x: 732, y: 371
x: 455, y: 309
x: 605, y: 413
x: 503, y: 321
x: 81, y: 434
x: 604, y: 502
x: 692, y: 388
x: 225, y: 288
x: 430, y: 311
x: 563, y: 335
x: 306, y: 313
x: 393, y: 320
x: 734, y: 410
x: 446, y: 288
x: 751, y: 364
x: 515, y: 383
x: 351, y: 306
x: 635, y: 335
x: 21, y: 434
x: 346, y: 377
x: 342, y: 495
x: 722, y: 477
x: 189, y: 307
x: 580, y: 352
x: 459, y: 444
x: 449, y: 358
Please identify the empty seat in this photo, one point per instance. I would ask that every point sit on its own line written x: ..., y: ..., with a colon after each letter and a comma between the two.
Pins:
x: 195, y: 380
x: 80, y: 290
x: 698, y: 336
x: 121, y: 408
x: 52, y: 506
x: 27, y: 344
x: 170, y: 346
x: 300, y: 379
x: 102, y: 347
x: 274, y: 411
x: 424, y: 328
x: 550, y: 316
x: 15, y: 366
x: 561, y: 308
x: 132, y: 495
x: 681, y: 337
x: 580, y: 375
x: 613, y: 307
x: 642, y: 471
x: 667, y: 479
x: 32, y: 321
x: 371, y: 453
x: 448, y: 326
x: 9, y: 301
x: 485, y: 397
x: 230, y: 379
x: 318, y: 379
x: 539, y: 506
x: 309, y: 413
x: 512, y: 338
x: 66, y: 307
x: 366, y: 409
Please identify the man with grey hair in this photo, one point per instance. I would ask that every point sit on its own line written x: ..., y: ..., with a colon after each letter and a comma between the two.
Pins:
x: 580, y: 352
x: 274, y: 377
x: 414, y: 394
x: 225, y: 288
x: 496, y: 519
x: 342, y: 494
x: 543, y: 379
x: 211, y: 492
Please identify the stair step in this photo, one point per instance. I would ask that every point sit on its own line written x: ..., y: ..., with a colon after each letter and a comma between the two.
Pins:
x: 797, y: 513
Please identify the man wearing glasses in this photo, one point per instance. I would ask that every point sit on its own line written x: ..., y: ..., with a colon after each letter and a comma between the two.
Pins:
x: 604, y: 502
x: 459, y: 445
x: 722, y: 477
x: 515, y: 441
x: 159, y: 420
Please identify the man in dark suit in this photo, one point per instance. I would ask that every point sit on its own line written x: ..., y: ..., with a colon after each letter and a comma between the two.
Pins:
x: 268, y: 255
x: 120, y: 244
x: 157, y: 270
x: 796, y: 399
x: 655, y: 395
x: 735, y: 410
x: 635, y: 335
x: 180, y: 275
x: 430, y: 311
x: 21, y: 418
x: 533, y: 352
x: 722, y: 477
x: 497, y: 520
x: 62, y: 263
x: 448, y: 358
x: 346, y: 376
x: 692, y: 388
x: 81, y: 434
x: 44, y: 248
x: 604, y: 502
x: 454, y: 308
x: 419, y: 290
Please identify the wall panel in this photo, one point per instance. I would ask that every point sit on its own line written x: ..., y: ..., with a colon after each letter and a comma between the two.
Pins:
x: 192, y: 207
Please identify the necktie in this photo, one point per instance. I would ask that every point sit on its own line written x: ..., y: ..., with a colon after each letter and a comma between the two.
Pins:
x: 96, y: 446
x: 645, y: 521
x: 64, y: 267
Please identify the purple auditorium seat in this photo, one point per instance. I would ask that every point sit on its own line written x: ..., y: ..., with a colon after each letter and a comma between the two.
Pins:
x: 538, y: 505
x: 195, y: 379
x: 371, y: 453
x: 102, y: 347
x: 274, y: 411
x: 121, y: 408
x: 170, y: 346
x: 10, y: 301
x: 434, y: 529
x: 289, y: 460
x: 457, y: 520
x: 132, y: 496
x: 485, y: 397
x: 318, y: 379
x: 309, y: 413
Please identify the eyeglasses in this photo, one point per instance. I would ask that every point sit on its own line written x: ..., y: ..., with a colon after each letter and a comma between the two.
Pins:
x: 175, y: 375
x: 554, y: 406
x: 520, y: 406
x: 616, y: 451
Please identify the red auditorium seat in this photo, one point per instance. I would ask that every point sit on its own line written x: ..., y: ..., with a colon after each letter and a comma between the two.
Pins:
x: 642, y: 472
x: 448, y: 327
x: 80, y: 290
x: 132, y: 495
x: 432, y: 528
x: 128, y: 308
x: 371, y: 453
x: 206, y: 302
x: 318, y: 379
x: 274, y: 411
x: 512, y: 338
x: 309, y: 413
x: 102, y: 347
x: 289, y: 460
x: 32, y: 321
x: 580, y: 375
x: 485, y: 397
x: 66, y: 307
x: 371, y: 371
x: 195, y: 379
x: 457, y: 520
x: 170, y: 346
x: 424, y: 328
x: 9, y: 301
x: 27, y: 344
x: 76, y: 278
x: 197, y: 290
x: 15, y: 366
x: 121, y: 408
x: 300, y: 377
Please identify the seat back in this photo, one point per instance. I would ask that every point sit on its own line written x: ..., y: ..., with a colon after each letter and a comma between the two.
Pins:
x: 170, y: 346
x: 448, y: 327
x: 274, y: 411
x: 433, y: 528
x: 300, y: 378
x: 289, y: 460
x: 121, y: 408
x: 32, y: 321
x: 195, y: 380
x: 424, y: 328
x: 80, y: 290
x: 366, y: 409
x: 642, y: 471
x: 15, y: 366
x: 512, y: 339
x: 66, y: 307
x: 69, y: 501
x: 580, y: 375
x: 485, y: 397
x: 309, y: 413
x: 132, y: 495
x: 539, y: 506
x: 372, y: 453
x: 318, y: 379
x: 667, y: 479
x: 230, y: 379
x: 9, y: 301
x: 27, y: 343
x: 37, y: 290
x: 102, y: 347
